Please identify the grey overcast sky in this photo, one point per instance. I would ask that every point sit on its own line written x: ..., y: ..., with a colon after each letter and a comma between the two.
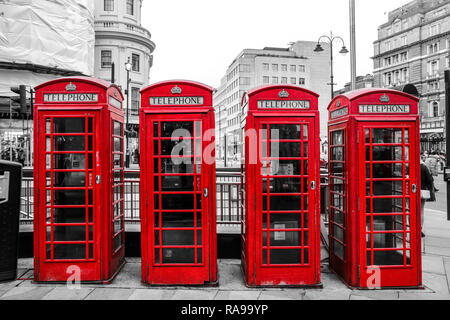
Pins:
x: 198, y: 39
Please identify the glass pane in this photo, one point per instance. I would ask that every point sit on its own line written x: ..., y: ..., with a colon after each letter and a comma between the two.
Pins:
x: 177, y: 201
x: 285, y: 131
x: 387, y: 135
x: 385, y: 153
x: 283, y: 221
x: 117, y: 144
x: 180, y: 220
x: 198, y: 129
x: 387, y: 205
x: 387, y: 170
x: 178, y: 237
x: 337, y: 153
x: 69, y: 251
x: 69, y: 161
x: 69, y: 143
x: 176, y: 148
x: 283, y: 238
x: 389, y: 258
x: 155, y: 130
x: 338, y: 249
x: 69, y: 179
x: 177, y: 183
x: 69, y: 197
x: 178, y: 255
x: 117, y: 128
x: 69, y: 215
x: 337, y: 138
x: 285, y: 149
x: 184, y: 129
x: 285, y: 203
x: 179, y: 166
x: 69, y: 125
x: 69, y: 233
x: 387, y: 188
x: 285, y: 256
x: 283, y: 185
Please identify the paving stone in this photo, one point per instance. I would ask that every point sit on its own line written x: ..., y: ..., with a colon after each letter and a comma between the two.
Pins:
x: 358, y: 297
x: 375, y: 294
x: 289, y: 294
x: 437, y: 283
x: 67, y: 294
x: 323, y: 294
x: 26, y: 293
x: 194, y: 294
x: 447, y: 271
x: 151, y: 294
x: 433, y: 264
x: 129, y: 277
x: 230, y: 275
x: 422, y: 296
x: 237, y: 295
x: 110, y: 294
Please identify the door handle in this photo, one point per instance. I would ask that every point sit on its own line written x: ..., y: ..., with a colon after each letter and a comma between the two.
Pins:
x: 313, y: 185
x: 205, y: 192
x: 97, y: 179
x: 414, y: 188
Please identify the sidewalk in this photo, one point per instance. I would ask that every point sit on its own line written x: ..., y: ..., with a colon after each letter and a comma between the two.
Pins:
x: 127, y: 285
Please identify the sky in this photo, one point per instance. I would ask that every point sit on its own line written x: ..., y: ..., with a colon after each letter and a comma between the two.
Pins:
x: 199, y: 39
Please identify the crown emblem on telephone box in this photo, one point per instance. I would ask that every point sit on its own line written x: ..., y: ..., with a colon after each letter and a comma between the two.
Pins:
x: 384, y: 98
x: 176, y: 90
x: 283, y: 94
x: 71, y: 87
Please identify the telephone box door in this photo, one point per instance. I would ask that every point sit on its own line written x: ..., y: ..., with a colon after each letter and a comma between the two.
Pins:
x: 69, y: 235
x: 287, y: 183
x: 389, y: 188
x: 178, y: 220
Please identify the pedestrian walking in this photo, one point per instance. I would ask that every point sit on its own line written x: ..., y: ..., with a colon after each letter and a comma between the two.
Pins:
x: 427, y: 190
x: 432, y: 163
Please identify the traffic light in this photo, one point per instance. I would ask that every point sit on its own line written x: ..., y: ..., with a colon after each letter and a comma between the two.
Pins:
x: 21, y: 99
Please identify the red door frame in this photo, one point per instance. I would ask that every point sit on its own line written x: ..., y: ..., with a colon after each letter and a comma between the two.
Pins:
x: 103, y: 100
x: 178, y: 274
x: 344, y: 112
x: 57, y: 270
x: 303, y: 274
x: 401, y: 275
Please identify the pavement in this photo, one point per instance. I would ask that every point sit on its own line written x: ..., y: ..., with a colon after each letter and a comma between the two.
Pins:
x: 127, y: 285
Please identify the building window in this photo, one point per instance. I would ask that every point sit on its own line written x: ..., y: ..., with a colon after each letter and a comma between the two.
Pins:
x: 274, y: 67
x: 274, y: 79
x: 301, y: 81
x: 293, y: 80
x: 106, y: 58
x: 301, y: 68
x: 135, y: 62
x: 244, y: 68
x: 433, y: 67
x: 283, y: 80
x: 135, y: 101
x: 434, y: 29
x: 293, y: 68
x: 434, y: 109
x: 245, y: 81
x: 265, y: 66
x: 284, y: 67
x: 265, y: 80
x: 130, y: 7
x: 108, y: 5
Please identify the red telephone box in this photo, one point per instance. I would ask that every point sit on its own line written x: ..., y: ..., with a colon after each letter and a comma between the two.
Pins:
x: 281, y: 231
x: 178, y: 215
x: 374, y: 178
x: 78, y: 180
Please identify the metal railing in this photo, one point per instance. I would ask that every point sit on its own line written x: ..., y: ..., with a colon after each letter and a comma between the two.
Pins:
x: 229, y: 194
x: 229, y: 197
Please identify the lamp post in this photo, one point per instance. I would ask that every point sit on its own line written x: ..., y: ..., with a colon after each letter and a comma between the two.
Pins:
x: 344, y: 50
x: 128, y: 67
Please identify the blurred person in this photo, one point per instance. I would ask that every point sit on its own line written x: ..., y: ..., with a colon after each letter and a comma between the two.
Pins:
x: 427, y: 190
x: 432, y: 163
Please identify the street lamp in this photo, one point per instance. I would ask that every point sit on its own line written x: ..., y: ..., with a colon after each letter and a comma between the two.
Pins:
x: 344, y: 51
x: 128, y: 67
